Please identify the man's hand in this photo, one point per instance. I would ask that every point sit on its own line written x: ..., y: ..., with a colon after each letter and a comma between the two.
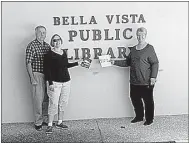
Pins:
x: 51, y: 87
x: 152, y: 81
x: 33, y: 81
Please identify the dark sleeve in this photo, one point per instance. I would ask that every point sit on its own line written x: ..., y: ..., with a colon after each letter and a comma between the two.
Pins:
x: 124, y: 63
x: 69, y: 65
x: 154, y: 62
x: 47, y: 68
x: 72, y: 64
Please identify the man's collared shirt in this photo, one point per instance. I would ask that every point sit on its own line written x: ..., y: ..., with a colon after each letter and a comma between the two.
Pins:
x: 35, y: 52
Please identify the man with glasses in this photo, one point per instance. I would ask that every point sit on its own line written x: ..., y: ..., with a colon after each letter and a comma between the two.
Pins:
x: 35, y: 52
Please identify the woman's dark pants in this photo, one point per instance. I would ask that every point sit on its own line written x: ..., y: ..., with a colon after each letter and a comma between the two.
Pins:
x: 145, y: 93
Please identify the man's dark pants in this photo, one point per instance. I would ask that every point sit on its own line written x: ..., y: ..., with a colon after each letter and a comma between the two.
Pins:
x: 145, y: 93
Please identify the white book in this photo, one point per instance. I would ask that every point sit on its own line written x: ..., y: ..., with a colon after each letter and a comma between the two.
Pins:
x: 105, y: 60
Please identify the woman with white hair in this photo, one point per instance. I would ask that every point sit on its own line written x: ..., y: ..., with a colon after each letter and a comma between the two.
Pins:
x: 144, y: 65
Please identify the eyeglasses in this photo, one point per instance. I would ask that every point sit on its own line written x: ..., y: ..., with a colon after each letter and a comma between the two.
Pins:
x: 56, y: 40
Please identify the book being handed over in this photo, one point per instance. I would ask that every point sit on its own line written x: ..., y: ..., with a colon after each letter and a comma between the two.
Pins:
x: 105, y: 60
x: 86, y: 63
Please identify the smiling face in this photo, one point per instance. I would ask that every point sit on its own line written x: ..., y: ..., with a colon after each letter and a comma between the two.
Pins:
x: 57, y: 41
x: 41, y: 34
x: 141, y: 35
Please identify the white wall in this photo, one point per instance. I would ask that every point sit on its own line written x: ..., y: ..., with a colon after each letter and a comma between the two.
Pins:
x: 96, y: 92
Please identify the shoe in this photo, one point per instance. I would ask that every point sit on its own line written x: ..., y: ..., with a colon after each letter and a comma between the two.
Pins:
x: 38, y: 128
x: 49, y: 130
x: 44, y: 124
x: 61, y: 126
x: 148, y: 123
x: 136, y: 120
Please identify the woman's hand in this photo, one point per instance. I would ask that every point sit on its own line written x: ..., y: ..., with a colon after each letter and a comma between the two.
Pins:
x: 112, y: 61
x: 80, y: 61
x: 152, y: 81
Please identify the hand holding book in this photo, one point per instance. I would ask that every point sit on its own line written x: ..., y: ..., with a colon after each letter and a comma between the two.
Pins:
x: 105, y: 60
x: 85, y: 63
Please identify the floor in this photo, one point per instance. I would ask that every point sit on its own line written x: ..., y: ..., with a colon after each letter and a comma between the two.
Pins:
x: 167, y: 129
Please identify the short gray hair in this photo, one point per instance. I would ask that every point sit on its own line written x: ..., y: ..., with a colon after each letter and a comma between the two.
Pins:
x: 40, y: 26
x: 142, y: 29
